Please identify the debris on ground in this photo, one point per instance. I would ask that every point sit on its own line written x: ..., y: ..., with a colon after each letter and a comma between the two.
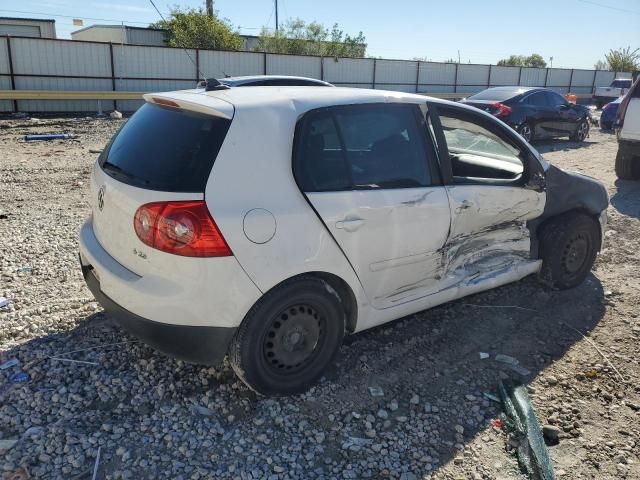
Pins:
x: 376, y: 391
x: 531, y: 449
x: 115, y: 115
x: 4, y: 302
x: 7, y: 444
x: 19, y: 377
x: 51, y: 136
x: 9, y: 363
x: 484, y: 355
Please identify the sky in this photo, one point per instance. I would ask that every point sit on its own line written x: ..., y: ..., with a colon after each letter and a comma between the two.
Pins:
x: 576, y: 33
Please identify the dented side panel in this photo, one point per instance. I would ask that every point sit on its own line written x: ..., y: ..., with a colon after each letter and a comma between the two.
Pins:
x: 393, y: 238
x: 488, y: 230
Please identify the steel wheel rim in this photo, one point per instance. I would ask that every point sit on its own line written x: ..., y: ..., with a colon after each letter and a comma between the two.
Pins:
x: 525, y: 132
x: 294, y: 338
x: 583, y: 128
x: 575, y: 254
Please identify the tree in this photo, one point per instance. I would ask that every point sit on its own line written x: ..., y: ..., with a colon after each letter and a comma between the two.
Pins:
x: 193, y: 28
x: 298, y: 37
x: 623, y: 59
x: 533, y: 60
x: 601, y: 65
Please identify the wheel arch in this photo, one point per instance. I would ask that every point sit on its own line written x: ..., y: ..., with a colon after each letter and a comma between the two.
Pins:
x: 335, y: 286
x: 537, y: 226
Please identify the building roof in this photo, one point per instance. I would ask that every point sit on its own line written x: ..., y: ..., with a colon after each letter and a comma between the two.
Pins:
x: 29, y: 19
x: 126, y: 27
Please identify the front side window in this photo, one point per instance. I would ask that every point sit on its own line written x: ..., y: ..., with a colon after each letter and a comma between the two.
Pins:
x: 478, y: 151
x: 375, y: 146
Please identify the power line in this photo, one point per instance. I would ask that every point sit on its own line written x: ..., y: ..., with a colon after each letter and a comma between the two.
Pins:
x: 609, y: 7
x: 185, y: 50
x: 71, y: 16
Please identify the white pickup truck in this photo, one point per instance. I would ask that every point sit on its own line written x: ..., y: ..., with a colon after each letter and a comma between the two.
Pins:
x: 618, y: 88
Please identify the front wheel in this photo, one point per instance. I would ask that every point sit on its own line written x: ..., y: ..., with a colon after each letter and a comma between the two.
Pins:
x: 288, y: 338
x: 581, y: 132
x: 569, y: 244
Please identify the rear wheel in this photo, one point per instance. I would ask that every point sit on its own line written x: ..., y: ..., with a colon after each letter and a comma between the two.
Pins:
x: 582, y: 131
x: 569, y: 244
x: 288, y: 338
x: 526, y: 132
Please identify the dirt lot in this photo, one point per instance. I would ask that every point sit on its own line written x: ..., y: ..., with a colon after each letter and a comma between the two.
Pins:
x: 153, y: 417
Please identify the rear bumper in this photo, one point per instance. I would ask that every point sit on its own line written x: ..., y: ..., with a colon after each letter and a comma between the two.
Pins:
x: 196, y: 344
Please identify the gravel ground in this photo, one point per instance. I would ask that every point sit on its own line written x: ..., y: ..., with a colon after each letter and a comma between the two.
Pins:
x: 153, y: 417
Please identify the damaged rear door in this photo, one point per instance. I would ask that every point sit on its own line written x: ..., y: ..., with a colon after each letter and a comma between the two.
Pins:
x: 494, y: 187
x: 371, y: 175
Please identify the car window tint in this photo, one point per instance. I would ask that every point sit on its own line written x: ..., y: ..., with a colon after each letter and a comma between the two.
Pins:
x: 168, y: 149
x: 320, y: 164
x: 555, y: 99
x: 621, y: 83
x: 537, y: 99
x: 384, y: 146
x: 361, y: 146
x: 477, y: 151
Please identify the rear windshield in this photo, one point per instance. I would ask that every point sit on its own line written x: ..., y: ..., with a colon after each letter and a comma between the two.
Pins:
x: 166, y: 149
x: 498, y: 95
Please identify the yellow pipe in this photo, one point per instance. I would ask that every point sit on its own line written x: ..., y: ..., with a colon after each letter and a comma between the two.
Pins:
x: 67, y: 95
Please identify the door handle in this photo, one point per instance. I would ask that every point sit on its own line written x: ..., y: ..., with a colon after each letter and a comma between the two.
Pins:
x: 350, y: 224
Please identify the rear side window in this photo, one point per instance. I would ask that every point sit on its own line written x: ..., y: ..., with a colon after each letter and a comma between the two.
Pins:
x: 165, y: 149
x: 537, y: 99
x: 361, y: 147
x: 621, y: 83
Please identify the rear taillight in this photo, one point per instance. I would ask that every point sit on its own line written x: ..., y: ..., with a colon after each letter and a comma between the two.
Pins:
x: 502, y: 110
x: 180, y: 228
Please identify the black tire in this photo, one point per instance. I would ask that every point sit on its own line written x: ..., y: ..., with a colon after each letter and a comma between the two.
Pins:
x: 289, y: 337
x: 569, y: 244
x: 582, y: 132
x: 627, y: 167
x: 527, y: 132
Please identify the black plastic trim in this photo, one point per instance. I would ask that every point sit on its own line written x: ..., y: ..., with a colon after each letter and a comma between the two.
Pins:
x: 194, y: 344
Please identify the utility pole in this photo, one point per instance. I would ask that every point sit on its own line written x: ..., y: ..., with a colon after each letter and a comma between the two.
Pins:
x: 551, y: 61
x: 210, y: 8
x: 458, y: 56
x: 276, y: 16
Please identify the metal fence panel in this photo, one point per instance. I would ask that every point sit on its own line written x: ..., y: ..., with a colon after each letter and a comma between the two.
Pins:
x: 347, y: 70
x: 4, y: 56
x: 436, y: 89
x: 473, y: 75
x: 559, y: 77
x: 293, y: 65
x: 148, y: 86
x: 153, y: 62
x: 215, y: 64
x: 504, y: 76
x: 34, y: 56
x: 5, y: 105
x: 437, y: 74
x: 604, y: 79
x: 63, y: 84
x: 582, y: 78
x: 389, y: 72
x: 533, y: 77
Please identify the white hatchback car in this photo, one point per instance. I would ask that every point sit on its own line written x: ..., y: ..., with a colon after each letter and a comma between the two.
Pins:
x: 265, y: 223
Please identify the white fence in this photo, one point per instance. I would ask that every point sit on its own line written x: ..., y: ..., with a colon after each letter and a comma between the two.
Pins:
x: 47, y: 64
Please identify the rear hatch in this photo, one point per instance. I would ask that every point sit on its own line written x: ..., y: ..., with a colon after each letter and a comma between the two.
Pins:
x: 164, y: 152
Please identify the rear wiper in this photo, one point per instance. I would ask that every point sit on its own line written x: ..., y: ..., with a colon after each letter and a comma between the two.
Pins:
x: 124, y: 174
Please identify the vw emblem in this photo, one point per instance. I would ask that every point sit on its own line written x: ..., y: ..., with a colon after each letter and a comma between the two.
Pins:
x: 101, y: 198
